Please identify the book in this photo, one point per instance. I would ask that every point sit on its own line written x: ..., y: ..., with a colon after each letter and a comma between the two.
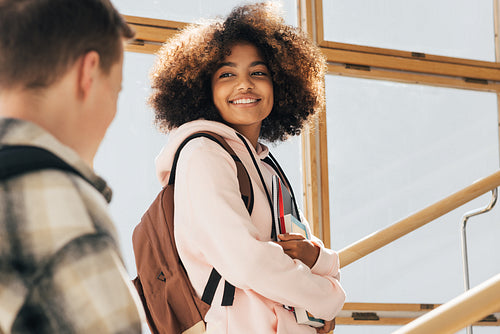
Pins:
x: 286, y: 215
x: 305, y: 318
x: 293, y: 225
x: 287, y: 220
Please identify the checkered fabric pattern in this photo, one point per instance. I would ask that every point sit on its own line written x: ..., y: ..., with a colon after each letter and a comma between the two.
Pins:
x: 60, y: 267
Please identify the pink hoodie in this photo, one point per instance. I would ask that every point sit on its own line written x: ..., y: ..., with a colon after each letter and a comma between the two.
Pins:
x: 213, y: 229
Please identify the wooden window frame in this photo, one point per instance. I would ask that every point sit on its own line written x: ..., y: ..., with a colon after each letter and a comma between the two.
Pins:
x: 150, y: 34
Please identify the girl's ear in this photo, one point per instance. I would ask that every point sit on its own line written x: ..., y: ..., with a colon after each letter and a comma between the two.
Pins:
x: 88, y: 71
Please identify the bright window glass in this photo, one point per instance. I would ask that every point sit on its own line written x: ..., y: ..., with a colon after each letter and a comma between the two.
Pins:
x: 454, y: 28
x: 394, y: 149
x: 193, y: 10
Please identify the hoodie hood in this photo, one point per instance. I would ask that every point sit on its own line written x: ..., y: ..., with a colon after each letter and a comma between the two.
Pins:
x: 165, y: 159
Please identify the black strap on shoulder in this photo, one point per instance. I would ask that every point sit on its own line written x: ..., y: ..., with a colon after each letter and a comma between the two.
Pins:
x: 246, y: 191
x: 19, y: 159
x: 269, y: 201
x: 244, y: 180
x: 271, y: 161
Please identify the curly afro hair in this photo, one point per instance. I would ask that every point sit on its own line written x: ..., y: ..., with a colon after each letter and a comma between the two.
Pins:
x: 181, y: 77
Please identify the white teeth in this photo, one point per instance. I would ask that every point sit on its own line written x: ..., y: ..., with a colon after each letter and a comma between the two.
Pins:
x: 244, y: 101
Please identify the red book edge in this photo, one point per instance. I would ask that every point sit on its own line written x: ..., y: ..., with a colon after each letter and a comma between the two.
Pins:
x: 281, y: 207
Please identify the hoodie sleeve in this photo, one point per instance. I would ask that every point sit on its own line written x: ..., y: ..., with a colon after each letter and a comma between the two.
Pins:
x: 328, y: 262
x: 215, y: 221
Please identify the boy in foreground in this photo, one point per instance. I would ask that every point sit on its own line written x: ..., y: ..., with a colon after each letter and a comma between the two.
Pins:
x: 60, y: 76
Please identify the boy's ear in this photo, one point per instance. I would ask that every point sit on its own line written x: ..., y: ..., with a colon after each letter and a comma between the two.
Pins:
x: 88, y: 71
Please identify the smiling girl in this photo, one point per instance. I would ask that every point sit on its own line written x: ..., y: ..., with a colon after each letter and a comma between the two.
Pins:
x: 247, y: 78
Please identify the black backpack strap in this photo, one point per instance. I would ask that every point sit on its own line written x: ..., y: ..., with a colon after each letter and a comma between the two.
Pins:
x: 211, y: 286
x: 209, y: 291
x: 271, y: 161
x: 19, y: 159
x: 269, y: 201
x: 246, y: 191
x: 228, y: 296
x: 244, y: 180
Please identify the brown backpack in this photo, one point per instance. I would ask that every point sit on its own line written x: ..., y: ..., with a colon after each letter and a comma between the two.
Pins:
x: 169, y: 299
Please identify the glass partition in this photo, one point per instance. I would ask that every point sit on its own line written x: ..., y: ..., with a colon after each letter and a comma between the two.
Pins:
x: 462, y: 29
x: 393, y: 150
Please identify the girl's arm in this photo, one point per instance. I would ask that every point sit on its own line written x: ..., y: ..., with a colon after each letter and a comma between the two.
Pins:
x: 298, y: 247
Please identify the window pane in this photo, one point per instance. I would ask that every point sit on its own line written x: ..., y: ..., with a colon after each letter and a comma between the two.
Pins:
x: 193, y: 10
x: 455, y: 28
x: 395, y: 149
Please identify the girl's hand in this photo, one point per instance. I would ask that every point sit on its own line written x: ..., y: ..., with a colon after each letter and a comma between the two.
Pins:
x: 297, y: 247
x: 329, y: 326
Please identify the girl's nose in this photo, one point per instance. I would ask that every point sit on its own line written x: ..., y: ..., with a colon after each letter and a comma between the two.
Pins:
x: 245, y: 83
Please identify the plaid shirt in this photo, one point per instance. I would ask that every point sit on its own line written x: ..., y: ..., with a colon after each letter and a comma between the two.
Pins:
x: 60, y: 267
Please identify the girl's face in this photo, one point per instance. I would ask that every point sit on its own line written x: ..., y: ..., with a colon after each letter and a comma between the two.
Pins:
x: 242, y: 89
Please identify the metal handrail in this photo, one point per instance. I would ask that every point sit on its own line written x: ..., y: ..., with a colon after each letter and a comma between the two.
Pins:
x: 465, y: 259
x: 385, y: 236
x: 465, y: 218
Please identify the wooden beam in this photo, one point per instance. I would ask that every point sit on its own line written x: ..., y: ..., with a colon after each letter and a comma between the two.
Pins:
x: 318, y: 14
x: 380, y: 322
x: 412, y: 77
x: 315, y: 152
x: 412, y: 65
x: 380, y: 314
x: 324, y: 190
x: 146, y: 21
x: 305, y: 19
x: 396, y: 307
x: 310, y: 178
x: 407, y: 54
x: 496, y: 18
x: 460, y: 312
x: 150, y: 33
x: 142, y: 47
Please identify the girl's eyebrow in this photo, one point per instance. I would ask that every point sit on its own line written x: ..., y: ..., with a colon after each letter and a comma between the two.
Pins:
x: 257, y: 63
x: 230, y: 64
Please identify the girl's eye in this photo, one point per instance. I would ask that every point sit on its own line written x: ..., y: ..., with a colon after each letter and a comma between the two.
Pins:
x: 225, y: 75
x: 259, y: 73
